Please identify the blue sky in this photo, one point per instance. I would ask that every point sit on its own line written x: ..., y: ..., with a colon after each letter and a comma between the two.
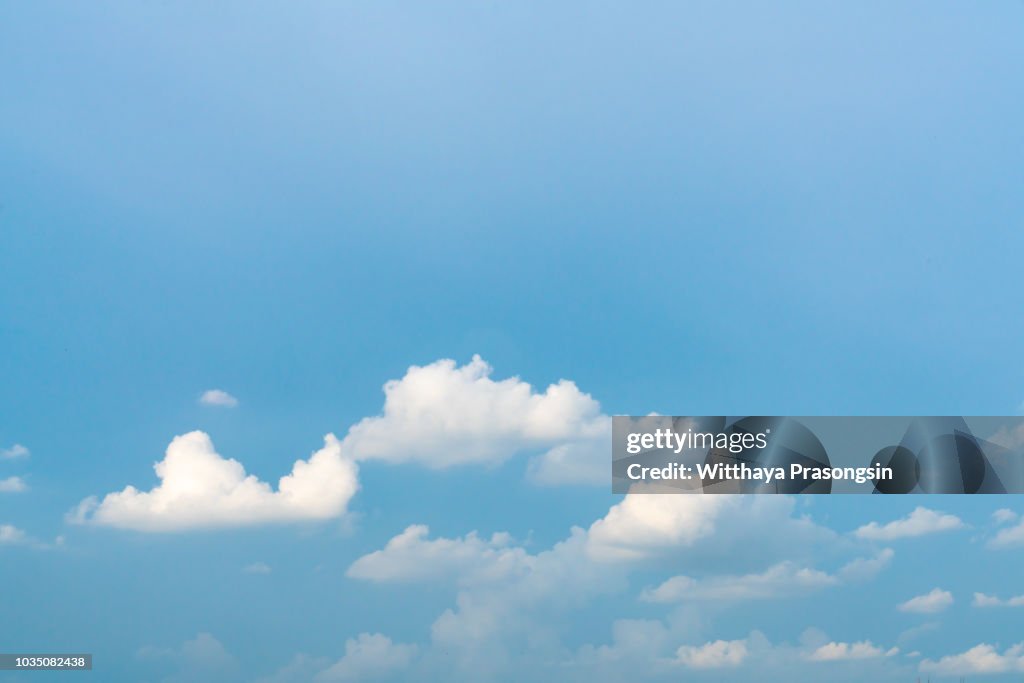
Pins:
x: 699, y: 208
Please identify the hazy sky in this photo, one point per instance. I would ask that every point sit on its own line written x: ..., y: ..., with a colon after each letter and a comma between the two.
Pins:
x: 244, y: 220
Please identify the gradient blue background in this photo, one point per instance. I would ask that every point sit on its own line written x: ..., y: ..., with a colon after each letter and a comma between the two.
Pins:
x: 690, y: 208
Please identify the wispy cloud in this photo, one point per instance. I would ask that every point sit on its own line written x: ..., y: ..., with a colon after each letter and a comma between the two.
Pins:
x: 920, y: 522
x: 1004, y: 516
x: 13, y: 485
x: 929, y: 603
x: 14, y: 452
x: 782, y: 580
x: 10, y: 535
x: 983, y: 600
x: 836, y: 652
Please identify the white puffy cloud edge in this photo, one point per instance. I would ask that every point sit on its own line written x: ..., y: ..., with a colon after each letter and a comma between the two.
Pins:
x: 444, y: 415
x: 438, y: 416
x: 199, y: 488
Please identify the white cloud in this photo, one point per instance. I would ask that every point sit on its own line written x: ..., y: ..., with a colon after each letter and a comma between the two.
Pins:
x: 920, y: 522
x: 781, y: 580
x: 1009, y: 537
x: 983, y: 600
x: 511, y: 601
x: 980, y: 659
x: 637, y: 647
x: 218, y: 398
x: 864, y: 568
x: 13, y: 485
x: 10, y: 535
x: 412, y: 557
x: 257, y: 568
x: 835, y: 651
x: 370, y: 655
x: 1004, y: 516
x: 929, y: 603
x: 198, y: 488
x: 441, y: 415
x: 714, y: 655
x: 644, y: 524
x: 14, y: 452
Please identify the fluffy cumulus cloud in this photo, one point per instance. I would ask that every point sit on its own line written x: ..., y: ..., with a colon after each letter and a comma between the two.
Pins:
x: 441, y: 415
x: 920, y: 522
x: 930, y: 603
x: 13, y: 485
x: 14, y: 452
x: 218, y: 398
x: 714, y: 655
x: 980, y: 659
x: 367, y: 657
x: 199, y: 488
x: 835, y: 651
x: 642, y: 525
